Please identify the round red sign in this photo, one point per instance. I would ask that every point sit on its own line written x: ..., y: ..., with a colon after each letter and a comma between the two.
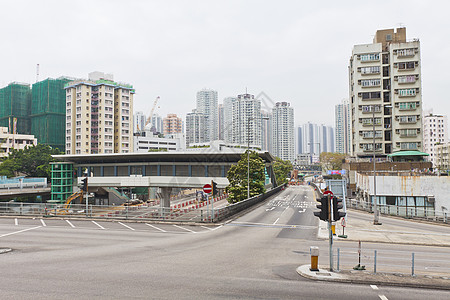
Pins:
x: 207, y: 188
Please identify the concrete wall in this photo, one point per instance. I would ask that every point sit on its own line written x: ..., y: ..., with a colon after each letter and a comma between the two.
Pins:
x: 425, y: 186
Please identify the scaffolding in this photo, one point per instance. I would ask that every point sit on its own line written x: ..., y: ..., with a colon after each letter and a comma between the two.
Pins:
x: 62, y: 181
x: 15, y: 107
x: 48, y: 112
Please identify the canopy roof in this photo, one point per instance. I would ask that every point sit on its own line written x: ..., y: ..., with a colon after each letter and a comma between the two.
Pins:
x: 408, y: 153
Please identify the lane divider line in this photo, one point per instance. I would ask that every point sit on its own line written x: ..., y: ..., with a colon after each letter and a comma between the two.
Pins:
x: 275, y: 221
x: 23, y: 230
x: 71, y: 225
x: 162, y: 230
x: 185, y: 228
x: 43, y: 223
x: 101, y: 227
x: 16, y: 222
x: 126, y: 226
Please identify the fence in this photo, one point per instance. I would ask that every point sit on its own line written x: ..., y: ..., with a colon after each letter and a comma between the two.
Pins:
x: 393, y: 261
x: 427, y: 213
x: 188, y: 211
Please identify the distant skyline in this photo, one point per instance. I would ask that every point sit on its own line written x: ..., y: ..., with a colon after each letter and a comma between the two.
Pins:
x: 293, y: 51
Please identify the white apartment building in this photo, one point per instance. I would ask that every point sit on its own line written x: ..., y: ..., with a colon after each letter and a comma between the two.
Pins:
x: 246, y: 121
x: 385, y: 89
x: 196, y: 128
x: 10, y: 141
x: 228, y: 118
x: 99, y: 115
x: 343, y: 127
x: 208, y: 104
x: 442, y: 152
x: 266, y: 134
x: 139, y: 120
x: 221, y: 122
x: 283, y: 131
x: 315, y: 139
x: 435, y: 132
x: 147, y: 141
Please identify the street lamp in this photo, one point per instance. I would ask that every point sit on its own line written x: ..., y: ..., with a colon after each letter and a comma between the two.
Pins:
x: 248, y: 152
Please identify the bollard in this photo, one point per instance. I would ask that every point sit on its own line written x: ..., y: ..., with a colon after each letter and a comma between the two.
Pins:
x: 338, y: 258
x: 412, y: 265
x: 375, y: 262
x: 314, y: 251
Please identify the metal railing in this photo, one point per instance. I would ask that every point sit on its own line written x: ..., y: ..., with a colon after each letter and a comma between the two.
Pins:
x: 188, y: 211
x: 427, y: 213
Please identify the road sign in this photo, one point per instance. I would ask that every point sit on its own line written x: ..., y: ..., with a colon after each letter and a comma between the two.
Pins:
x: 328, y: 192
x: 343, y: 222
x: 207, y: 188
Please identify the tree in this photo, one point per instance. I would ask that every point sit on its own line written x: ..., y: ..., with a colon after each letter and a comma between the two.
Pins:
x: 331, y: 161
x: 281, y: 168
x: 33, y: 161
x: 237, y: 176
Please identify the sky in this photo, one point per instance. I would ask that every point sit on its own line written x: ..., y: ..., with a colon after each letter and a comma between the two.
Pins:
x: 294, y: 51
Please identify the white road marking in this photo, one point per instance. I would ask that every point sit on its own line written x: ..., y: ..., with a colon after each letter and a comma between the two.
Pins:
x: 270, y: 209
x: 217, y: 227
x: 184, y: 228
x: 302, y: 211
x: 43, y: 223
x: 23, y: 230
x: 101, y: 227
x: 383, y: 297
x: 275, y: 221
x: 126, y: 226
x: 207, y: 228
x: 71, y: 225
x: 374, y: 287
x: 16, y: 222
x: 155, y: 227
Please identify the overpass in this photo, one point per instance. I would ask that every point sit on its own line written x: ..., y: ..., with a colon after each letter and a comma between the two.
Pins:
x: 165, y: 170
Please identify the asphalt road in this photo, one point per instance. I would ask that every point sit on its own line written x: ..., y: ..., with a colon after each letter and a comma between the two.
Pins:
x: 253, y: 257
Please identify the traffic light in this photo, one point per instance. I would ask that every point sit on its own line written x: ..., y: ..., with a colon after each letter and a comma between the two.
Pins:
x: 323, y: 206
x: 337, y: 205
x: 215, y: 191
x: 84, y: 185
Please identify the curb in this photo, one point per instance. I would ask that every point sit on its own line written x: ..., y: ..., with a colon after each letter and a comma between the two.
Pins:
x: 343, y: 278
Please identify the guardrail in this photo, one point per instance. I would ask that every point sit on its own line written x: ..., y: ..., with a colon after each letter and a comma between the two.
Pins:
x: 423, y: 213
x: 188, y: 211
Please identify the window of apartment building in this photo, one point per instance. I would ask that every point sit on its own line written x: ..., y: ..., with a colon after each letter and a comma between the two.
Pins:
x: 407, y: 119
x: 370, y: 95
x: 408, y: 65
x: 408, y: 146
x: 370, y: 82
x: 369, y: 70
x: 370, y: 57
x: 406, y: 92
x: 407, y: 79
x: 406, y: 52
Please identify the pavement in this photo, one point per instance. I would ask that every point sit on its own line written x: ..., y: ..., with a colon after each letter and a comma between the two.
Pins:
x: 361, y: 228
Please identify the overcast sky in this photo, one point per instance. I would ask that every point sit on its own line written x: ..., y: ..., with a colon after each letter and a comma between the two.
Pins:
x: 295, y: 51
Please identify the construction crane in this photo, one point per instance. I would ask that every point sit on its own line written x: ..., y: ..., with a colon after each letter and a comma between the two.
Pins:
x: 149, y: 119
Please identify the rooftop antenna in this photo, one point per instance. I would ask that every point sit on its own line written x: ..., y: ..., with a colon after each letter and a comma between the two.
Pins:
x: 37, y: 72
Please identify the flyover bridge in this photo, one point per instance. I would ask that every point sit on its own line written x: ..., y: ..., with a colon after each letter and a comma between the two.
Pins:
x: 165, y: 170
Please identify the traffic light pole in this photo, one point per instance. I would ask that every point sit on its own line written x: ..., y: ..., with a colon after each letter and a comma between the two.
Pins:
x: 330, y: 233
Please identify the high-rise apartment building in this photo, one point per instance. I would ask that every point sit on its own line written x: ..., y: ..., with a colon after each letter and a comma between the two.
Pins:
x: 435, y: 132
x: 157, y: 123
x: 172, y: 124
x: 207, y: 104
x: 246, y: 121
x: 48, y: 112
x: 15, y: 108
x: 315, y: 139
x: 221, y: 122
x: 228, y: 118
x: 196, y: 127
x: 99, y: 115
x: 385, y: 89
x: 283, y: 131
x: 139, y: 120
x: 343, y: 127
x: 266, y: 128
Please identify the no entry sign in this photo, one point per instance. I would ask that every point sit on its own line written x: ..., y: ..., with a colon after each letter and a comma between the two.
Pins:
x: 207, y: 188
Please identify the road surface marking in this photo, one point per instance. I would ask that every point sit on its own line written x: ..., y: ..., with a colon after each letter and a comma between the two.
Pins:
x: 217, y: 227
x: 184, y: 228
x: 374, y: 287
x: 43, y: 223
x: 302, y: 211
x: 275, y: 221
x: 126, y: 226
x: 70, y: 224
x: 155, y: 227
x: 101, y: 227
x: 16, y: 222
x: 270, y: 209
x: 207, y: 228
x: 383, y: 297
x: 23, y: 230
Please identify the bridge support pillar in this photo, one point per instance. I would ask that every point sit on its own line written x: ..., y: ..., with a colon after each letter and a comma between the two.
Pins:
x: 165, y: 200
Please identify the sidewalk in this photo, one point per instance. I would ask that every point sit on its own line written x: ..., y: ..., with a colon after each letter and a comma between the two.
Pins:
x: 365, y: 231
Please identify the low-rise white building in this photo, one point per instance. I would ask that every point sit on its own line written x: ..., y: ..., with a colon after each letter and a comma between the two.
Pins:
x: 435, y: 132
x: 147, y: 141
x: 9, y: 141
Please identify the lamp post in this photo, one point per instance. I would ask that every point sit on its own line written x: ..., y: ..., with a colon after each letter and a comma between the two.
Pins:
x: 248, y: 152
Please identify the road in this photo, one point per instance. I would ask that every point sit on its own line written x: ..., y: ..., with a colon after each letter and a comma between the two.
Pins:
x: 253, y: 257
